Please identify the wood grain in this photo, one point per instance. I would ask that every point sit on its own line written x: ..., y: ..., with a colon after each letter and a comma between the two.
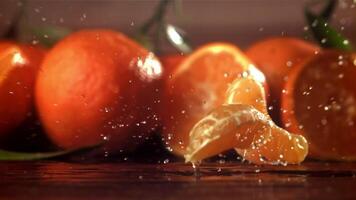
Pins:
x: 60, y: 180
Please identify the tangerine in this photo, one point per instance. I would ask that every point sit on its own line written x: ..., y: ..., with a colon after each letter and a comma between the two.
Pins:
x: 98, y: 85
x: 320, y: 104
x: 171, y: 62
x: 19, y: 64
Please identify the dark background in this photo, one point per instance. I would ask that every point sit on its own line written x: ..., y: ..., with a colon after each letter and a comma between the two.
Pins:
x: 239, y: 21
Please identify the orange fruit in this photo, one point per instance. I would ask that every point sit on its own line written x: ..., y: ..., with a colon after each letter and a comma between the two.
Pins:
x: 241, y: 126
x: 275, y: 57
x: 98, y: 85
x: 19, y: 64
x: 197, y: 86
x: 320, y: 104
x: 171, y: 62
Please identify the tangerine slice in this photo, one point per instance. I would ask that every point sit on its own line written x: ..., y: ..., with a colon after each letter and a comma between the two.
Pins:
x: 247, y: 91
x: 320, y: 104
x: 250, y: 131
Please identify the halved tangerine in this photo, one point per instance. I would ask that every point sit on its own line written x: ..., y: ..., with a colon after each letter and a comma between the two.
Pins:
x: 197, y: 86
x: 320, y: 104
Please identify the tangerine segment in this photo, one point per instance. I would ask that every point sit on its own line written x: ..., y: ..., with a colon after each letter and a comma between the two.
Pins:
x: 320, y: 104
x: 97, y: 85
x: 242, y: 126
x: 247, y: 91
x: 197, y: 86
x: 250, y: 92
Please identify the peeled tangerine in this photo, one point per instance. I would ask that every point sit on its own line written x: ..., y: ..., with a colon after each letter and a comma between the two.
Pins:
x: 243, y: 123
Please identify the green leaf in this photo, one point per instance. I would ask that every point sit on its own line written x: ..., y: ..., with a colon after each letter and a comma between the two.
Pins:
x: 22, y: 156
x: 49, y: 35
x: 326, y: 35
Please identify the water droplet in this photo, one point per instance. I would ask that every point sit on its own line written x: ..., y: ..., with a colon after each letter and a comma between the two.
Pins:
x: 289, y: 63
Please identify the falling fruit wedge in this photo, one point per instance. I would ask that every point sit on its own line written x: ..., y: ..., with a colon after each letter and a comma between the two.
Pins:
x: 244, y: 125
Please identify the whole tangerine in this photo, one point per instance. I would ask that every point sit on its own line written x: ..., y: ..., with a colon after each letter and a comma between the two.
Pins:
x: 98, y: 85
x: 19, y: 64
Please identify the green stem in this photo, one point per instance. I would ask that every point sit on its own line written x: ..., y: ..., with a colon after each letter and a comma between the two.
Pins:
x: 156, y: 17
x: 12, y: 31
x: 326, y: 35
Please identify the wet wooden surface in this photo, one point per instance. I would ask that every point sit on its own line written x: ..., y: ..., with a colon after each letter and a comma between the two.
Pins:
x: 60, y: 180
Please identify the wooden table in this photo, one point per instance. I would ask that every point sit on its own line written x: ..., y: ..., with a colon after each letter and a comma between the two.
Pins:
x: 61, y: 180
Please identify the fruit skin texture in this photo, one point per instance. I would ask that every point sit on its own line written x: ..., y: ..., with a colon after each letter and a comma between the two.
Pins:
x: 275, y: 57
x: 196, y: 87
x: 19, y: 64
x: 171, y: 62
x: 319, y: 104
x: 98, y: 85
